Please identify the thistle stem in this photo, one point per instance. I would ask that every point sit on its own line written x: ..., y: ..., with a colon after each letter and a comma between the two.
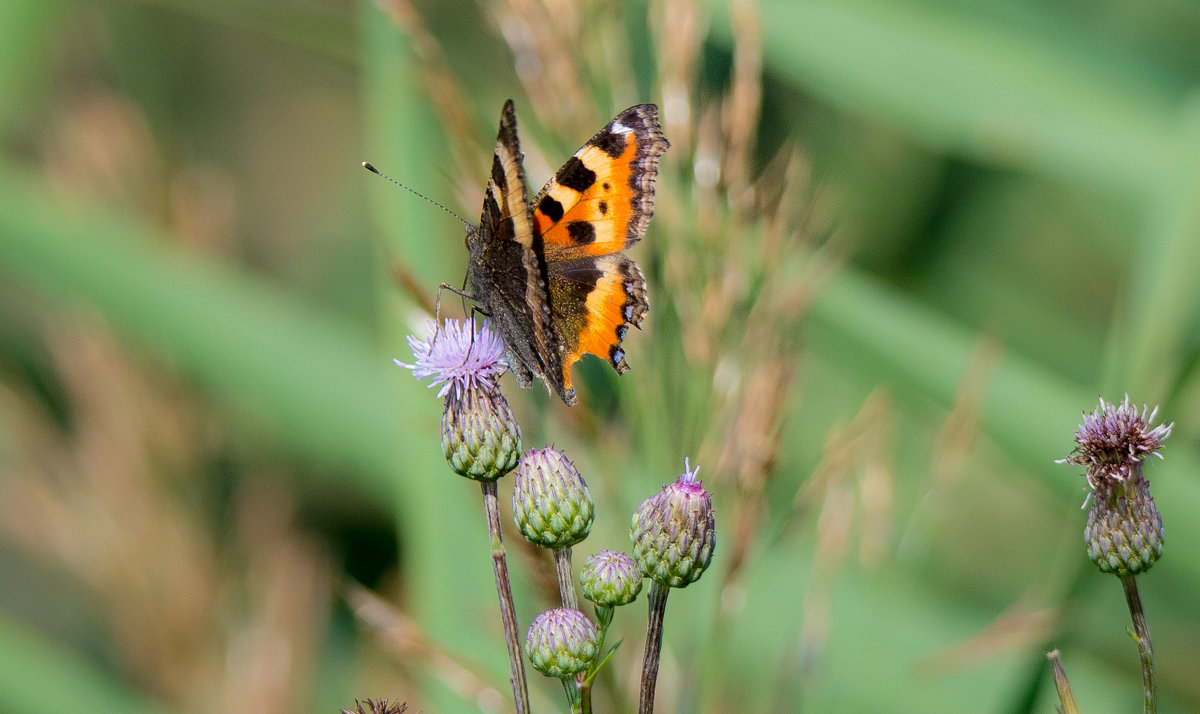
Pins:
x: 566, y: 582
x: 508, y: 614
x: 654, y: 632
x: 566, y: 591
x: 573, y: 700
x: 585, y: 694
x: 1065, y: 696
x: 1141, y: 635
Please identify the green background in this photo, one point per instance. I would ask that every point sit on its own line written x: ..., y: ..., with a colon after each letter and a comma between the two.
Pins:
x: 899, y: 247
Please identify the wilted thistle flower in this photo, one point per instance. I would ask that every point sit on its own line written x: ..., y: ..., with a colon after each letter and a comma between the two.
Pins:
x: 377, y: 706
x: 1112, y: 441
x: 611, y: 578
x: 1124, y: 532
x: 552, y: 506
x: 674, y: 532
x: 480, y: 436
x: 562, y: 642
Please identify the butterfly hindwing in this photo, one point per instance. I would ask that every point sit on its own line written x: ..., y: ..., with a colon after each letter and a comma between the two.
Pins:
x: 593, y: 301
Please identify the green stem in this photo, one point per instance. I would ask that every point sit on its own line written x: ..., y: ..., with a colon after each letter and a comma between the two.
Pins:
x: 582, y: 699
x: 574, y: 703
x: 1141, y: 635
x: 566, y: 582
x: 508, y: 614
x: 585, y: 694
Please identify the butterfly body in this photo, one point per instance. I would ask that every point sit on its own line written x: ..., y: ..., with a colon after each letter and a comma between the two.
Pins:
x: 550, y: 272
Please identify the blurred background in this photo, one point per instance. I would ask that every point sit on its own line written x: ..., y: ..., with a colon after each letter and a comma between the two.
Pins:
x: 899, y: 247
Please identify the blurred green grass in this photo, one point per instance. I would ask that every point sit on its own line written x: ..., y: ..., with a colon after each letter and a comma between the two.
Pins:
x: 1020, y: 186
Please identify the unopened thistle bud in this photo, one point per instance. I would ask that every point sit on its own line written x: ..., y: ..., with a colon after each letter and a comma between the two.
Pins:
x: 480, y: 436
x: 674, y: 532
x: 1124, y: 532
x: 562, y: 642
x: 552, y: 506
x: 611, y: 578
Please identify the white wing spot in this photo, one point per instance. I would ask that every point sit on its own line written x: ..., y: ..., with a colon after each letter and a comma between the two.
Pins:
x: 620, y: 128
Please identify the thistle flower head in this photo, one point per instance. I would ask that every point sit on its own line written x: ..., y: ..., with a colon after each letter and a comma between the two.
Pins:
x: 562, y: 642
x: 480, y: 436
x: 456, y: 357
x: 674, y: 532
x: 610, y: 578
x: 552, y: 506
x: 1124, y: 532
x: 1113, y: 440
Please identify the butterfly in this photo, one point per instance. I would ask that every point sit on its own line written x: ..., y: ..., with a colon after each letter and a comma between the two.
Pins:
x: 550, y: 272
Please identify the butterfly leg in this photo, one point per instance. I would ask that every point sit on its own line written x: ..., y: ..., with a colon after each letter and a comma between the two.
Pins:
x: 437, y: 307
x: 437, y: 303
x: 524, y: 377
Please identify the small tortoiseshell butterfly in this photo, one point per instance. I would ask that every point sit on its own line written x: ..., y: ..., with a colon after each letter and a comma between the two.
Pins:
x: 550, y: 272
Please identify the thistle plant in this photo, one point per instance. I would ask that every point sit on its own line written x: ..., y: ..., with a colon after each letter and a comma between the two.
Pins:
x: 610, y: 579
x: 553, y: 508
x: 673, y: 533
x: 481, y: 441
x: 1124, y: 532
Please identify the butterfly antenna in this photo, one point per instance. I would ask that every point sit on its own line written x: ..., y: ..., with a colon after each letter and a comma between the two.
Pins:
x: 377, y: 172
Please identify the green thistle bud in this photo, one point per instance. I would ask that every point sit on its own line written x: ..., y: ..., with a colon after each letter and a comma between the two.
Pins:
x: 1124, y: 532
x: 551, y: 503
x: 480, y: 436
x: 611, y: 578
x: 562, y: 642
x: 674, y: 532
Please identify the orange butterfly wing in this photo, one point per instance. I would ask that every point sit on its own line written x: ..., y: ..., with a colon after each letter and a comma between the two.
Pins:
x: 598, y: 204
x: 601, y: 200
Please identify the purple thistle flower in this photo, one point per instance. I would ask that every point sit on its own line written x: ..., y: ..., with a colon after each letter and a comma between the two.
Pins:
x: 689, y: 476
x: 456, y: 358
x: 1114, y: 439
x: 480, y: 437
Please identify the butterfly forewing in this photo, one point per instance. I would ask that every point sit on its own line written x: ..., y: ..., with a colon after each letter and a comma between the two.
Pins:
x: 602, y: 199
